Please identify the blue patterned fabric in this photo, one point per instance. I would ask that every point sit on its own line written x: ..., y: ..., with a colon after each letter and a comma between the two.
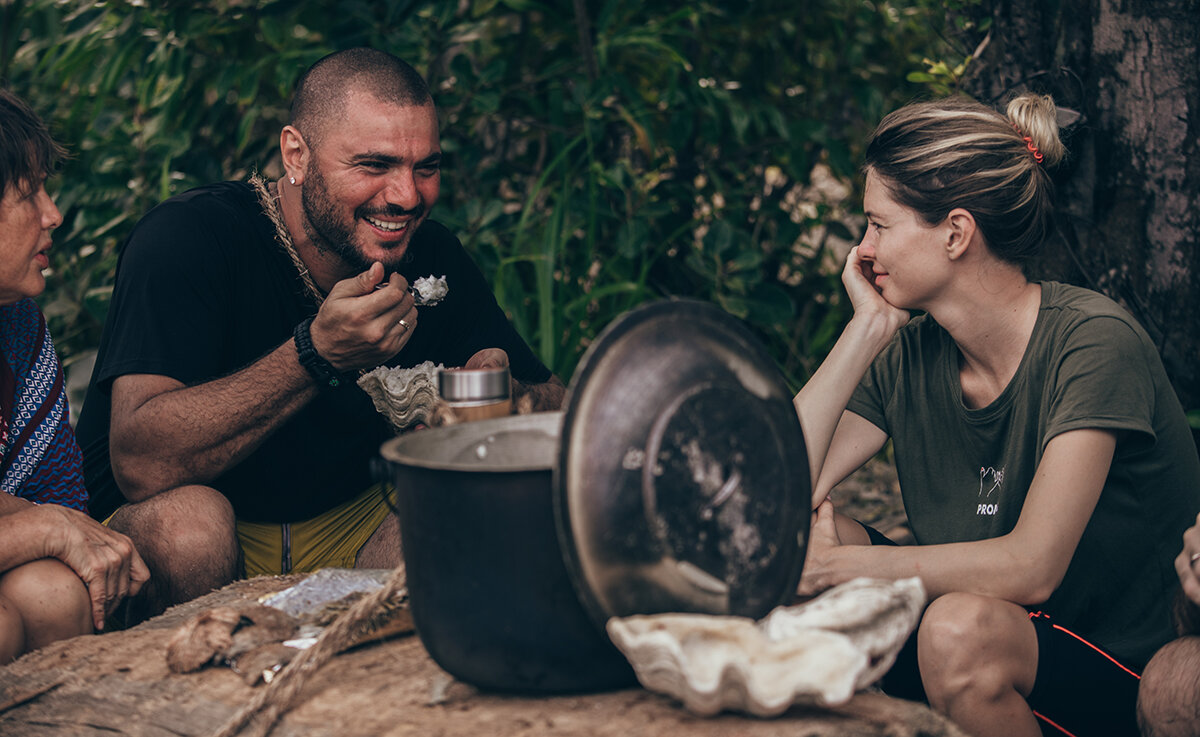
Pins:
x: 41, y: 458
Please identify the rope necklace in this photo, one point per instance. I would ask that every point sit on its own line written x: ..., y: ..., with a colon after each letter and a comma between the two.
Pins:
x: 270, y: 206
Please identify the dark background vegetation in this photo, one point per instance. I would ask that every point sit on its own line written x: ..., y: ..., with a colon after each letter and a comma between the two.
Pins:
x: 600, y: 153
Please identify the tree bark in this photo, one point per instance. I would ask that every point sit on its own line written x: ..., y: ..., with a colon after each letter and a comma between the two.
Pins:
x: 1129, y: 194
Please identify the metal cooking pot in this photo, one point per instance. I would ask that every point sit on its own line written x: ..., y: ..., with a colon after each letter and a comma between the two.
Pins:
x: 490, y: 595
x: 675, y: 480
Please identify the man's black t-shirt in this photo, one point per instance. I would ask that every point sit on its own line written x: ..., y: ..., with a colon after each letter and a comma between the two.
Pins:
x: 203, y: 289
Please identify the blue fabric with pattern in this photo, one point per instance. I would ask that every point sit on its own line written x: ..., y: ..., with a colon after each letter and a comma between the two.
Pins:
x: 41, y: 458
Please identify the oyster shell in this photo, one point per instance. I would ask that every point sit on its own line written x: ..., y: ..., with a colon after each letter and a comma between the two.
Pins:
x: 818, y: 652
x: 405, y: 396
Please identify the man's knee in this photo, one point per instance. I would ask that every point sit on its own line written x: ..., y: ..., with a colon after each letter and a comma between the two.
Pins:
x: 382, y: 549
x: 1169, y: 693
x: 969, y: 643
x: 51, y: 600
x: 188, y: 539
x: 186, y: 531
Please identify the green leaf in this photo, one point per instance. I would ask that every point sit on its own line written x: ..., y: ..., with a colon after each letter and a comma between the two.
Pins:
x: 719, y: 237
x: 745, y: 260
x: 770, y: 306
x: 631, y: 238
x: 740, y: 119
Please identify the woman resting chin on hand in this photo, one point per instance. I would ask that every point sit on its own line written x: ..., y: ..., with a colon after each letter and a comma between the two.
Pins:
x: 1046, y: 465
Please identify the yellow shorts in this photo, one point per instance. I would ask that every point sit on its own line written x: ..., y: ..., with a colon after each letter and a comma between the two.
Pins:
x: 332, y: 539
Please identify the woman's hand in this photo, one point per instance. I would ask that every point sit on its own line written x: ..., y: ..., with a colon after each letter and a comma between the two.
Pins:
x: 823, y: 543
x: 106, y: 560
x: 858, y: 277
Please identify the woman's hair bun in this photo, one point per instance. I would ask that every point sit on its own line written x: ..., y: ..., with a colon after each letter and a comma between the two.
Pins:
x: 1037, y: 117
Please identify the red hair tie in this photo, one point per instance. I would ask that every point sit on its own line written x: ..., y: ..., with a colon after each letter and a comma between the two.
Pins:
x: 1033, y: 149
x: 1029, y: 144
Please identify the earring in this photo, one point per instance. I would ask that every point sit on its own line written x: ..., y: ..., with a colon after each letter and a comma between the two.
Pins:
x: 292, y: 180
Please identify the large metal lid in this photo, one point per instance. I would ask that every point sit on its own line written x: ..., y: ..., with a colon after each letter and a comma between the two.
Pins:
x: 682, y: 482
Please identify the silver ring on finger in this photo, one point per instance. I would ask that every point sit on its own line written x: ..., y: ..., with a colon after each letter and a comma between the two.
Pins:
x: 404, y: 324
x: 1192, y: 560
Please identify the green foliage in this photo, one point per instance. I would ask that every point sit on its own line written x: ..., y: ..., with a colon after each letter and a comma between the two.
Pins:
x: 963, y: 19
x: 705, y: 149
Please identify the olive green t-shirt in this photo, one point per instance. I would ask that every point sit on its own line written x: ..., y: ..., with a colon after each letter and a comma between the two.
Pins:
x: 964, y: 473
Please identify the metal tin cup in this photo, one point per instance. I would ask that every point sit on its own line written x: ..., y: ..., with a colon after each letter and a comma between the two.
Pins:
x: 476, y: 394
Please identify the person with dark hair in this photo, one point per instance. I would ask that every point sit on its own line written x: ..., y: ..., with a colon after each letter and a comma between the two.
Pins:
x: 223, y: 430
x: 1044, y: 459
x: 60, y: 571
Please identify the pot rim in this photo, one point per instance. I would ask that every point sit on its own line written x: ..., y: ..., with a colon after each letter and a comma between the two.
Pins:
x: 406, y: 449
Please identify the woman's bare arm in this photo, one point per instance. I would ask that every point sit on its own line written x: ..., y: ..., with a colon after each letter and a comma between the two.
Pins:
x: 1025, y: 566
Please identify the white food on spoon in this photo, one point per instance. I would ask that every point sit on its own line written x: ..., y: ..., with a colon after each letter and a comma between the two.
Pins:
x: 429, y: 290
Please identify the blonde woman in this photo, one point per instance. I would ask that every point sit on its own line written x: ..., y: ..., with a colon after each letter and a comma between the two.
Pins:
x: 1046, y: 465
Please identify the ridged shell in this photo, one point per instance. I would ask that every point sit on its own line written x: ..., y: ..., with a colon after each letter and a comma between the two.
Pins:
x: 821, y: 651
x: 405, y: 396
x: 877, y: 616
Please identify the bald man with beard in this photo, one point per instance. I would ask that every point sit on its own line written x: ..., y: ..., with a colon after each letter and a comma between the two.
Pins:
x: 223, y: 431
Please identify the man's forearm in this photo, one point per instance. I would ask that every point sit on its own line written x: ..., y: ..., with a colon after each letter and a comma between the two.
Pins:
x: 192, y: 434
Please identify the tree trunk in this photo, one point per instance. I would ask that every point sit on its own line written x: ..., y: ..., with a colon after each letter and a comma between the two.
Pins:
x: 1130, y: 192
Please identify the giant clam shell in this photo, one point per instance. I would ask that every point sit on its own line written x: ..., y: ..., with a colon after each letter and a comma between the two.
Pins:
x: 876, y: 616
x: 818, y: 652
x: 405, y: 396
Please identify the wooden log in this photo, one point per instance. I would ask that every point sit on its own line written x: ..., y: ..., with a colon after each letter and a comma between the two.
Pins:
x: 118, y: 684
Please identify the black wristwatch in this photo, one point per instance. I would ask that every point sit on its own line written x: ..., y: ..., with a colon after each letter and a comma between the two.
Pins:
x: 323, y: 371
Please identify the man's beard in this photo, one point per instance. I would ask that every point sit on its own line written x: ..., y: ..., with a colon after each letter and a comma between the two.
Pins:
x: 327, y: 230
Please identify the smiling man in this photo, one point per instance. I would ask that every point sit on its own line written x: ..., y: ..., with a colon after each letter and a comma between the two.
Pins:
x: 223, y: 430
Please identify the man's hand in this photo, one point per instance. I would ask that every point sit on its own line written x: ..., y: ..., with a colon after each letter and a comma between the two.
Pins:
x: 1187, y: 562
x: 823, y: 540
x: 364, y: 321
x: 105, y: 560
x: 487, y: 358
x: 544, y: 397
